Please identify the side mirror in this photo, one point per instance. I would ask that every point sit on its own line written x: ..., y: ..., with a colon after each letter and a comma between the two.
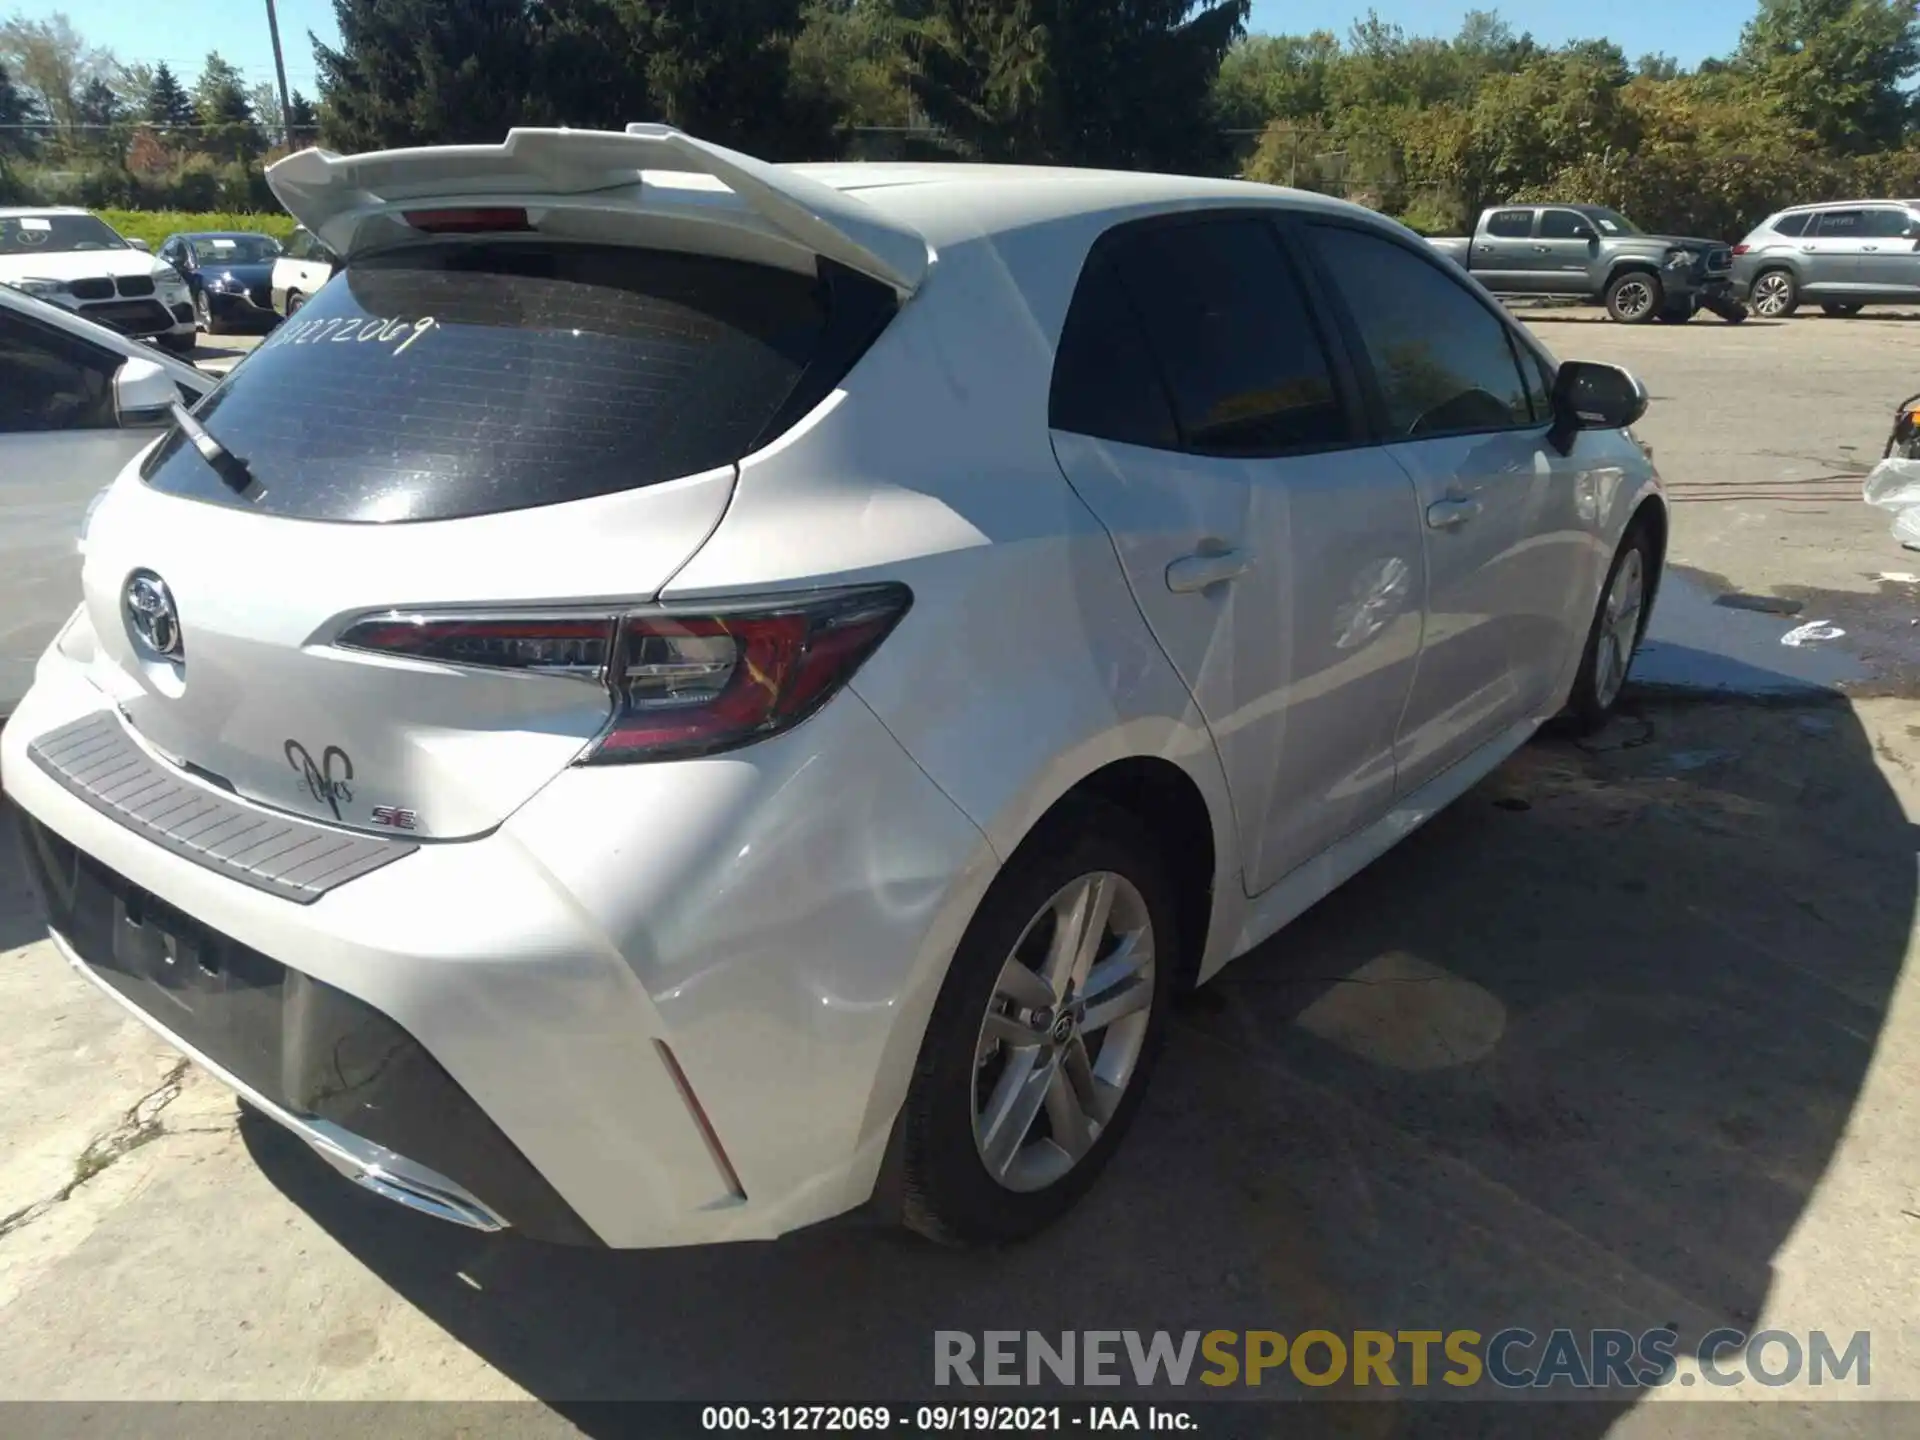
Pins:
x: 1591, y: 396
x: 141, y: 245
x: 1585, y: 232
x: 143, y: 394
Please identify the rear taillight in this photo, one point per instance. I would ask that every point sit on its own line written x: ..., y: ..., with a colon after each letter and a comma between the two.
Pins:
x: 1740, y: 249
x: 680, y: 682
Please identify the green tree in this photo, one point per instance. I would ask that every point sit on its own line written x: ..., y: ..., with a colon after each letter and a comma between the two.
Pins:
x: 426, y: 72
x: 1124, y: 83
x: 1275, y: 77
x: 306, y: 121
x: 228, y: 126
x: 21, y: 120
x: 100, y: 120
x: 723, y: 70
x: 169, y: 107
x: 1836, y: 67
x: 850, y: 56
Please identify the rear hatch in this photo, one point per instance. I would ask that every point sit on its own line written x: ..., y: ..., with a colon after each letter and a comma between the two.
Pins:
x: 496, y: 423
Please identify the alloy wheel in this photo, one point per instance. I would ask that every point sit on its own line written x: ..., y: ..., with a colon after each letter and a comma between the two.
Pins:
x: 1063, y: 1032
x: 1771, y: 294
x: 1619, y: 628
x: 1633, y: 299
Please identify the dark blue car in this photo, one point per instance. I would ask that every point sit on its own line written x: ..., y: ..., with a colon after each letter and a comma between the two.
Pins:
x: 231, y: 275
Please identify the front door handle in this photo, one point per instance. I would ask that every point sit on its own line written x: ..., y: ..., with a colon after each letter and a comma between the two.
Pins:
x: 1451, y: 514
x: 1540, y: 250
x: 1197, y: 572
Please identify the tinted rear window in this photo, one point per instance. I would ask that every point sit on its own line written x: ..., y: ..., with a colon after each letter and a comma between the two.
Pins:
x: 1241, y: 354
x: 1104, y: 380
x: 1792, y: 224
x: 468, y: 379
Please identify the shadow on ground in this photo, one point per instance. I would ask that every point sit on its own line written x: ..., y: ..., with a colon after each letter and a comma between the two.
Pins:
x: 1575, y: 1055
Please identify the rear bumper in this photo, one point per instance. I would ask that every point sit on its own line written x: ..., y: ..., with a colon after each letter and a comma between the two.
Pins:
x: 508, y: 1022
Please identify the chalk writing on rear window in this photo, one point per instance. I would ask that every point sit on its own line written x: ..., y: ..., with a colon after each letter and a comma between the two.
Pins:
x: 353, y: 330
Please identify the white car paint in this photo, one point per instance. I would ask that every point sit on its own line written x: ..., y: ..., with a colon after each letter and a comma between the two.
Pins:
x: 781, y: 915
x: 300, y: 270
x: 47, y: 477
x: 49, y: 274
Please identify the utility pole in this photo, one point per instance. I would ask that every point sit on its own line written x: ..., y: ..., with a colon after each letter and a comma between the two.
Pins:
x: 280, y: 70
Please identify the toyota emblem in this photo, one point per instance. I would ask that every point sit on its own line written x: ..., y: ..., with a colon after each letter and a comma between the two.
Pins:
x: 152, y: 616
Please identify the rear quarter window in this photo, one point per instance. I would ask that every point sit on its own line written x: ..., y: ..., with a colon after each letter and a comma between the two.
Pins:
x: 1791, y: 225
x: 473, y: 378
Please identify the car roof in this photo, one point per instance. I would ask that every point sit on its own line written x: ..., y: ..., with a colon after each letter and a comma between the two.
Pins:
x: 221, y: 235
x: 951, y: 202
x: 1842, y: 205
x: 7, y: 211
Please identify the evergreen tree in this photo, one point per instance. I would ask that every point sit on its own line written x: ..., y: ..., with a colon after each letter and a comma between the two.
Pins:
x: 168, y: 106
x: 98, y: 116
x: 224, y: 113
x: 1123, y: 83
x: 306, y: 123
x: 434, y: 72
x: 21, y: 121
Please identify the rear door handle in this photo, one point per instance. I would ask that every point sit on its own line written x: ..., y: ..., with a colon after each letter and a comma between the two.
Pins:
x: 1451, y: 514
x: 1197, y: 572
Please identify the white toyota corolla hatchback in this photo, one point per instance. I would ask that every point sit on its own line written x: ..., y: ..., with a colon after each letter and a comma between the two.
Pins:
x: 680, y: 697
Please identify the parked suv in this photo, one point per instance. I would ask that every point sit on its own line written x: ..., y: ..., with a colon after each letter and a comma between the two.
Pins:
x: 1842, y: 256
x: 75, y: 260
x: 661, y: 712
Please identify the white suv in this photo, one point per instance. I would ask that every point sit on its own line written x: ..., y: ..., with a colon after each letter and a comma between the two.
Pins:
x: 679, y: 696
x: 72, y: 259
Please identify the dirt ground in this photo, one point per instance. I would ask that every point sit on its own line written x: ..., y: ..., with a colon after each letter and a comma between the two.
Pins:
x: 1626, y: 1038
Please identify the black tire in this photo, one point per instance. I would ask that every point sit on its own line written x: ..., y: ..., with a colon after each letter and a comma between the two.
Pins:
x: 1733, y: 312
x: 946, y: 1190
x: 1775, y: 294
x: 1676, y: 315
x: 1838, y: 311
x: 294, y: 301
x: 206, y: 316
x: 181, y: 345
x: 1587, y: 708
x: 1635, y: 297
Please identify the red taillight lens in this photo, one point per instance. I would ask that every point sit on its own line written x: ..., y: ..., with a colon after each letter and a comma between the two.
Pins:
x: 468, y: 221
x: 695, y: 684
x: 1740, y: 249
x: 681, y: 682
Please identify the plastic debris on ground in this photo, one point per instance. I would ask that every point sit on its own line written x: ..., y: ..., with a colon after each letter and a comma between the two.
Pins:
x: 1894, y: 485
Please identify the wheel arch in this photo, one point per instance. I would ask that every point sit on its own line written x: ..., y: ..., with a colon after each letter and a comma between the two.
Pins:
x: 1170, y: 804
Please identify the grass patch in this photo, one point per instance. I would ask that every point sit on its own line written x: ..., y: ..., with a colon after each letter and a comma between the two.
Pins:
x: 153, y: 226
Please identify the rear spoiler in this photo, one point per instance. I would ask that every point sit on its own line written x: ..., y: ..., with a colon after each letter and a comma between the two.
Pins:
x: 330, y: 194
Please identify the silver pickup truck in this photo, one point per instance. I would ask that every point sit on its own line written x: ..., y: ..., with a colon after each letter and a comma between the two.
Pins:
x: 1588, y: 252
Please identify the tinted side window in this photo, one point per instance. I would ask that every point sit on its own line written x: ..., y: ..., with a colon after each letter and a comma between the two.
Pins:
x: 1564, y: 225
x: 1884, y: 224
x: 1104, y: 380
x: 1510, y: 224
x: 52, y: 381
x: 1838, y: 225
x: 1792, y: 225
x: 1444, y: 362
x: 1230, y: 326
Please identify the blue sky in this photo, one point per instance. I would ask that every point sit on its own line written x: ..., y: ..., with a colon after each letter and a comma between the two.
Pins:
x: 182, y: 31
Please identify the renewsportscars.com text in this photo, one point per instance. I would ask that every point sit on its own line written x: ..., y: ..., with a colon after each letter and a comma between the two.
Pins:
x: 1513, y: 1358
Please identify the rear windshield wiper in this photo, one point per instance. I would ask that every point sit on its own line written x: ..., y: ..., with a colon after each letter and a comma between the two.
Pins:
x: 227, y: 465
